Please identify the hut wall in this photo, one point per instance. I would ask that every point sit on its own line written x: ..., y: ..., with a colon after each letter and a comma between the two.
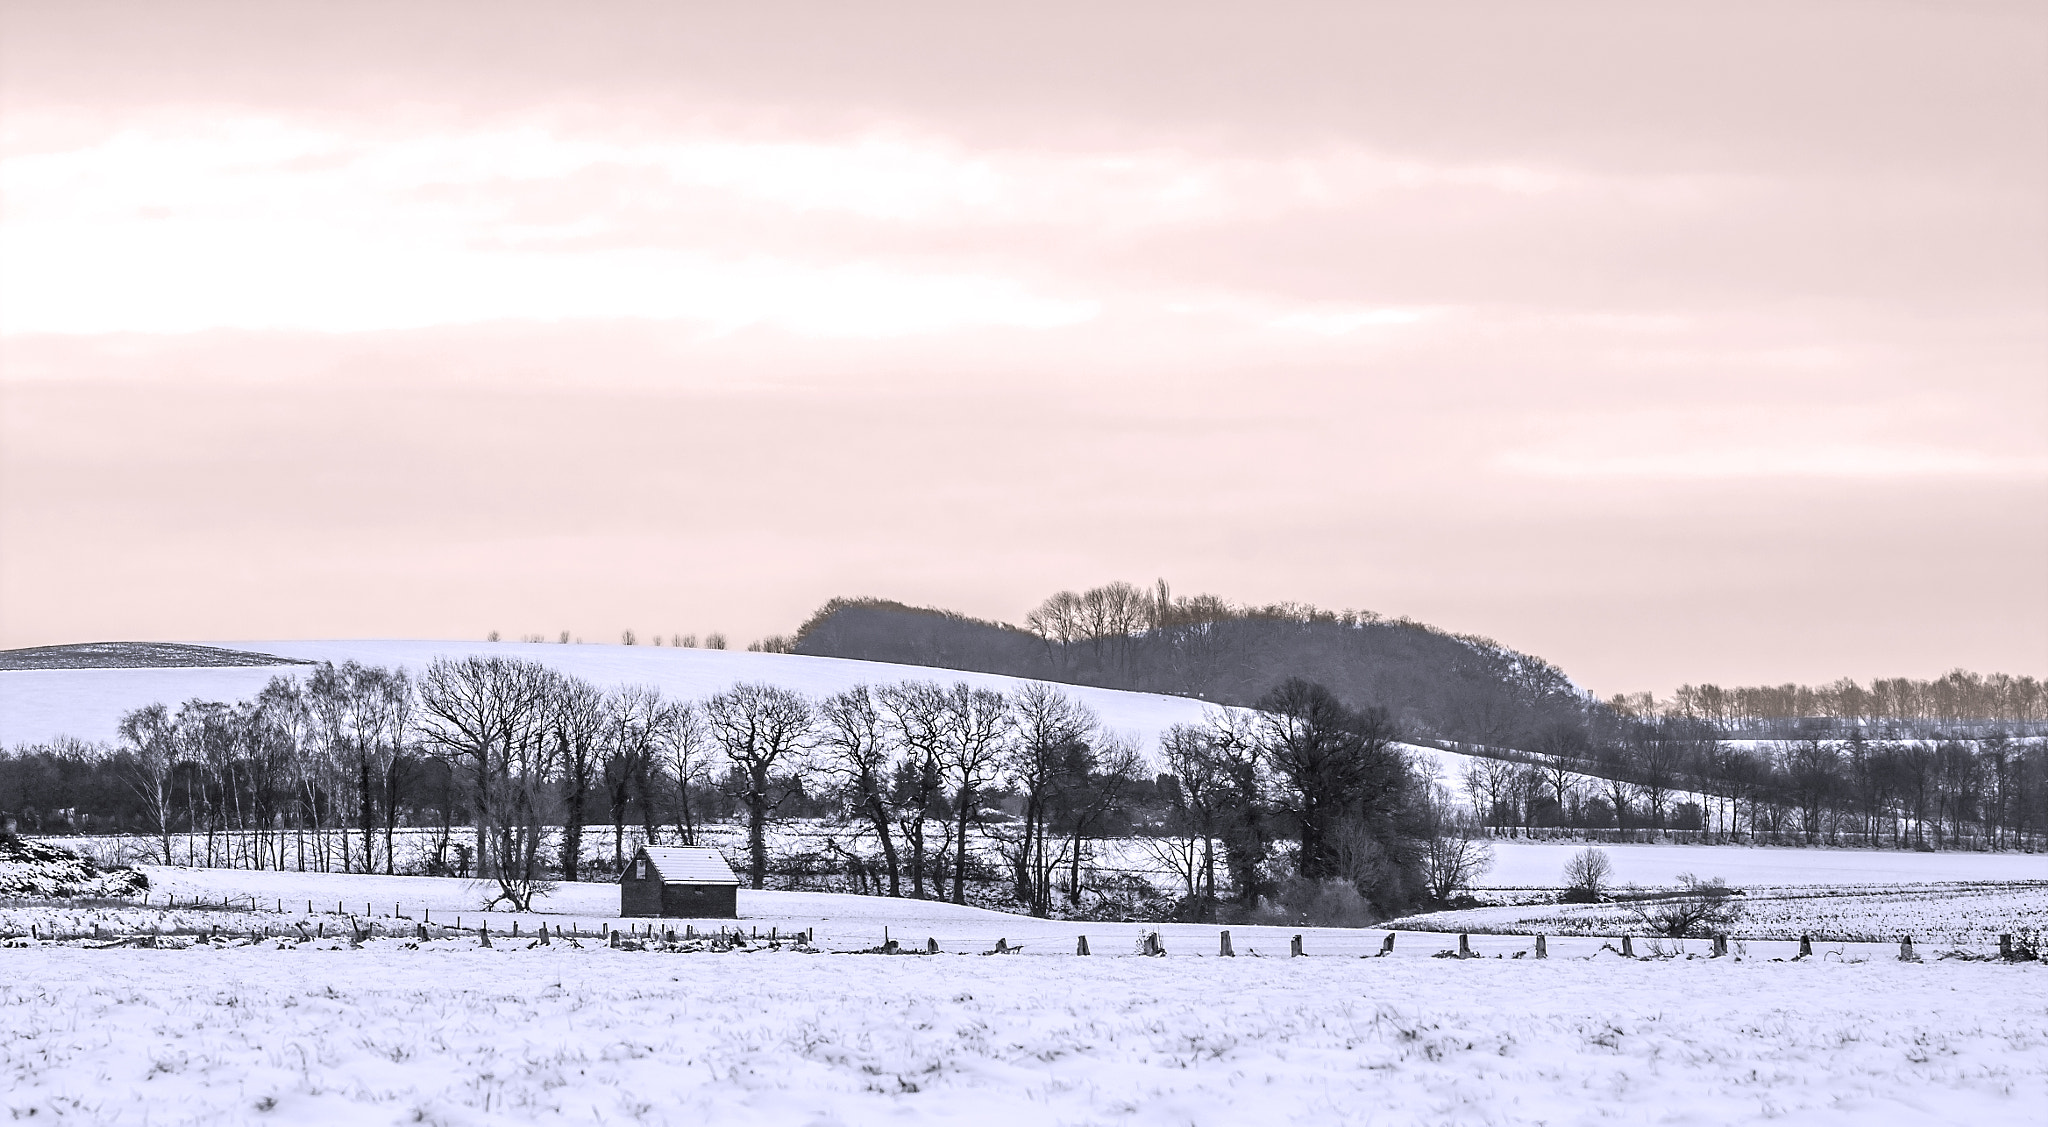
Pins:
x: 701, y: 901
x: 640, y: 897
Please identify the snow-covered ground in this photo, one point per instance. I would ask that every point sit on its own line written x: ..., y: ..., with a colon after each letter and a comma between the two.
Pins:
x: 453, y: 1034
x: 193, y: 899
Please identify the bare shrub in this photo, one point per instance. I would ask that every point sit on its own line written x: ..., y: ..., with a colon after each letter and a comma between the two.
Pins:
x: 1586, y: 876
x: 1333, y: 902
x: 1699, y: 908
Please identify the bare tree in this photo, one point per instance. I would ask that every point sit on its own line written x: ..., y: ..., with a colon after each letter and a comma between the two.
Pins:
x: 479, y: 714
x: 1586, y: 874
x: 916, y: 714
x: 636, y: 730
x: 1051, y: 746
x: 151, y: 742
x: 686, y: 754
x: 764, y: 731
x: 976, y: 723
x: 857, y: 748
x: 1453, y: 856
x: 1201, y: 794
x: 579, y: 715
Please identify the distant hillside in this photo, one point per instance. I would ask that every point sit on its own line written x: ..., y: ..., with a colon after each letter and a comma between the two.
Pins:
x: 134, y: 655
x: 1120, y: 636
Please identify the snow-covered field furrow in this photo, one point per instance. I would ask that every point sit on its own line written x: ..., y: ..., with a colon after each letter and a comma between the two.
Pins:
x: 1540, y: 864
x: 458, y: 1035
x: 1969, y: 915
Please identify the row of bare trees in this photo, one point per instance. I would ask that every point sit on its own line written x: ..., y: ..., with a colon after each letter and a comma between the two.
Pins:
x: 928, y: 790
x: 1956, y: 699
x: 1817, y: 787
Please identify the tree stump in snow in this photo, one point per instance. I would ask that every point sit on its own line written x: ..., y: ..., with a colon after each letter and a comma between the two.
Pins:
x: 1081, y: 946
x: 1294, y: 950
x: 1906, y: 949
x: 1628, y: 947
x: 1387, y: 945
x: 1226, y: 952
x: 1805, y: 946
x: 1464, y: 946
x: 1720, y: 946
x: 1542, y: 948
x: 2004, y: 944
x: 423, y: 933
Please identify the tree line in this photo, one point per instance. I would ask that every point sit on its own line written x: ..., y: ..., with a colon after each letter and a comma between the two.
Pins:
x: 925, y: 789
x: 1818, y: 786
x: 1955, y: 701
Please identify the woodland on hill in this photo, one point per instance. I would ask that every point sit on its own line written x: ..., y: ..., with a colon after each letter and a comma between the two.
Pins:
x: 1120, y: 636
x: 1439, y: 686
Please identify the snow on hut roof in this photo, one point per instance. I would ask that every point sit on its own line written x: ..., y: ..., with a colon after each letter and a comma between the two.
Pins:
x: 694, y: 866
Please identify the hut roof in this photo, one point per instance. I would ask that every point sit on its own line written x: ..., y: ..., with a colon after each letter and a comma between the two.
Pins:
x: 691, y: 866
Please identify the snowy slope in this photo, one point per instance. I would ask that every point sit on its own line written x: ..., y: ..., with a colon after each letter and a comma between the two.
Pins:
x: 41, y: 704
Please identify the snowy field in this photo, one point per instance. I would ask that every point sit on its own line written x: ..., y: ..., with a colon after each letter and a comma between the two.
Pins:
x: 453, y: 1034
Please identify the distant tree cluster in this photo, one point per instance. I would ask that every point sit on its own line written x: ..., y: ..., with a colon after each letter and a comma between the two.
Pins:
x: 1955, y: 701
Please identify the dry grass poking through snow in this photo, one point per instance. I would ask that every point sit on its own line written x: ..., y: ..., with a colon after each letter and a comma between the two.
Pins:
x: 470, y: 1036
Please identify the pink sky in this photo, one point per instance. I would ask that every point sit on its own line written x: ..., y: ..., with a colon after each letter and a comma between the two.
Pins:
x: 1671, y: 343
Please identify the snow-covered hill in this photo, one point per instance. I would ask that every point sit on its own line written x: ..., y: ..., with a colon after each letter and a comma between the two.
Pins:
x: 38, y: 705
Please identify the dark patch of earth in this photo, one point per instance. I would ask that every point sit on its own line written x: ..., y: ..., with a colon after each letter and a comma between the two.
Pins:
x: 135, y: 655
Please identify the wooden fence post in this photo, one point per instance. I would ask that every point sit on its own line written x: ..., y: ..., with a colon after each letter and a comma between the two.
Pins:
x: 1081, y: 947
x: 1294, y: 950
x: 1227, y: 952
x: 1628, y: 947
x: 1542, y: 948
x: 483, y: 931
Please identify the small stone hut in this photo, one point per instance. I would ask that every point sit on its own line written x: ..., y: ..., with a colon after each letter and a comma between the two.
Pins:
x: 687, y: 883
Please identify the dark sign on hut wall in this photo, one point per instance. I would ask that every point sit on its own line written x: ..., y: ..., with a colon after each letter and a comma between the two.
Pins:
x: 681, y: 883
